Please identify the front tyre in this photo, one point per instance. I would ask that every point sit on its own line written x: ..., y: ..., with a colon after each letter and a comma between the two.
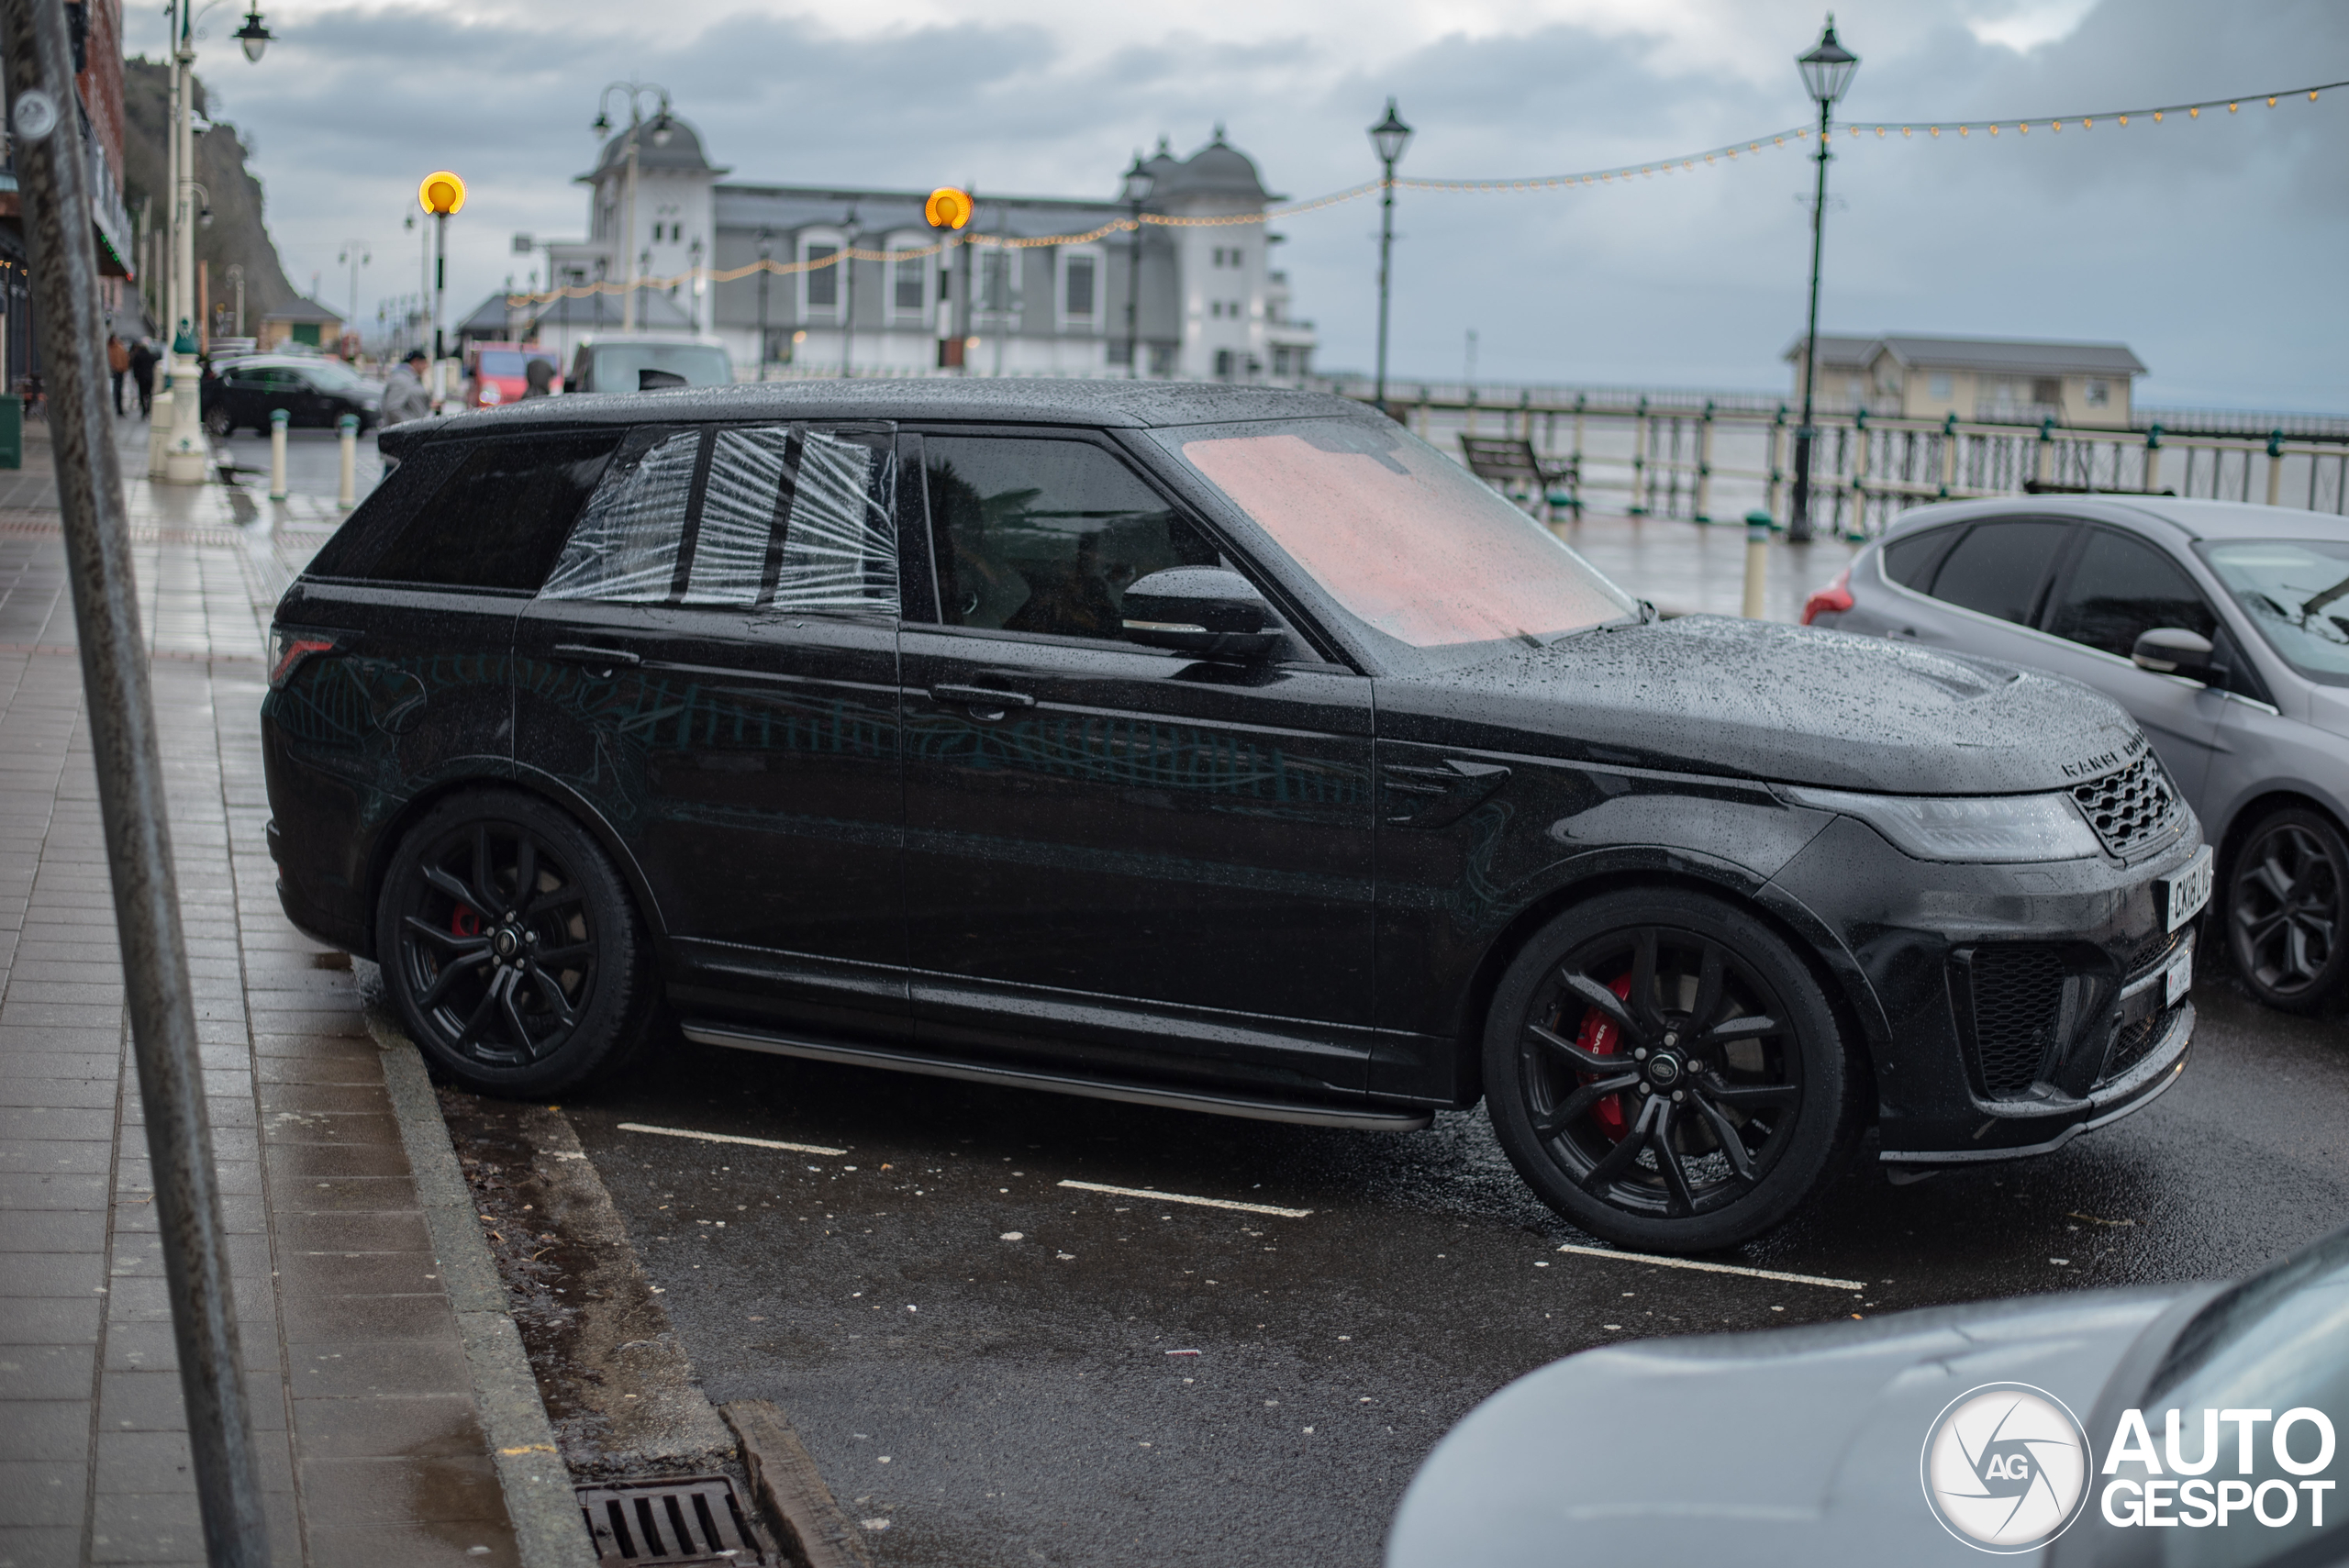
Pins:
x: 2287, y: 899
x: 510, y: 947
x: 1664, y: 1072
x: 216, y: 420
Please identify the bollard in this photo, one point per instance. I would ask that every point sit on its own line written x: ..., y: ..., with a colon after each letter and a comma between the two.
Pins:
x: 348, y: 496
x: 1757, y: 561
x: 158, y: 430
x: 277, y: 419
x: 2275, y: 467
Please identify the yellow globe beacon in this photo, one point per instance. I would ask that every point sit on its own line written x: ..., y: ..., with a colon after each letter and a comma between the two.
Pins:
x: 441, y: 193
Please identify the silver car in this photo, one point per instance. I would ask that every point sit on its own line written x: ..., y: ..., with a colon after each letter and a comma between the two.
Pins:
x: 2223, y: 628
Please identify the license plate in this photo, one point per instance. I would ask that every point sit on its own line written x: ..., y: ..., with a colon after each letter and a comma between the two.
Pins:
x: 2179, y: 978
x: 2184, y: 892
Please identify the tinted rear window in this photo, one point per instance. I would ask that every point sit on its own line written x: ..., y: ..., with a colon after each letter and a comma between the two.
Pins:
x: 499, y: 519
x: 501, y: 362
x: 1911, y: 558
x: 1998, y: 568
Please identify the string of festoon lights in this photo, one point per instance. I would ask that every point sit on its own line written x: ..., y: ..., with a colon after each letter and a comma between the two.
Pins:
x: 1729, y: 152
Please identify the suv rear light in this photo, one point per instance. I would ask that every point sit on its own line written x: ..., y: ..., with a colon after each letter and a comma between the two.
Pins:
x: 288, y: 649
x: 1833, y: 598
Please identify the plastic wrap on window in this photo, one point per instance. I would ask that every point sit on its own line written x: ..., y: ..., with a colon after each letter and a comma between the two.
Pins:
x: 738, y: 515
x: 839, y: 549
x: 625, y: 548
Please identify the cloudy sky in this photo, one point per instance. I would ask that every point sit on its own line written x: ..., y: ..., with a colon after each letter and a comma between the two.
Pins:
x: 2214, y: 248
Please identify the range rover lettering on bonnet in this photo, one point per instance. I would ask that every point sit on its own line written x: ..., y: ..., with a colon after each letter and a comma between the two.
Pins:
x: 2105, y: 761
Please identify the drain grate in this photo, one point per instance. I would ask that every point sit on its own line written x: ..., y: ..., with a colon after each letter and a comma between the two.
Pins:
x: 695, y: 1519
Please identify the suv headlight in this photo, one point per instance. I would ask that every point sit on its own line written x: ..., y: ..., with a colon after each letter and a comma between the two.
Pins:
x: 1998, y: 828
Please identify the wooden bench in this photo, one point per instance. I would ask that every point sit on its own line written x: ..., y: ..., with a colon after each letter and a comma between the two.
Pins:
x: 1511, y: 465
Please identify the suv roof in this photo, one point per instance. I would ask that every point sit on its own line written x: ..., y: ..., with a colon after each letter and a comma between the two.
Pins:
x: 1131, y: 405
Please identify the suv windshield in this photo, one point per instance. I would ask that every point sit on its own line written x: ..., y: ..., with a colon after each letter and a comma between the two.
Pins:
x: 2296, y: 593
x: 1409, y: 542
x: 618, y: 367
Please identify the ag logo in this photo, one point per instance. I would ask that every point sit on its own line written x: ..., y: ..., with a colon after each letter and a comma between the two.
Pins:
x: 2005, y: 1467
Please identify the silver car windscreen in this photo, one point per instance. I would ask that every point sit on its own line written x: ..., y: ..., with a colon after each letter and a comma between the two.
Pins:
x: 783, y: 516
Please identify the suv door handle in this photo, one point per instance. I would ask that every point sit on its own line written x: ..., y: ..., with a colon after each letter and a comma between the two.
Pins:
x: 980, y: 697
x: 601, y: 658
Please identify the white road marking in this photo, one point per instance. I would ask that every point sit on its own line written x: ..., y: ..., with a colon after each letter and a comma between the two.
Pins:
x: 1178, y: 1197
x: 1717, y: 1268
x: 729, y: 1137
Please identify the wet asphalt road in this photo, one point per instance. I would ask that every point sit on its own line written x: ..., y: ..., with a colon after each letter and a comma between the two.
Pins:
x: 1013, y: 1401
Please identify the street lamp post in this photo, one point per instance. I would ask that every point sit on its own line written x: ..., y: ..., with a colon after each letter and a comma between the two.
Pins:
x: 663, y: 127
x: 1389, y: 136
x: 441, y: 195
x: 766, y: 254
x: 185, y: 458
x: 356, y: 253
x: 1140, y: 181
x: 1826, y: 73
x: 848, y: 308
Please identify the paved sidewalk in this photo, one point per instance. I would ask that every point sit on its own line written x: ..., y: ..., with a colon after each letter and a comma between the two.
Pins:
x: 372, y: 1442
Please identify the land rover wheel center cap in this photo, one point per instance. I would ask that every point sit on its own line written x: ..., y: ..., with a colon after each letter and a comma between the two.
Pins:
x: 1664, y: 1068
x: 505, y: 941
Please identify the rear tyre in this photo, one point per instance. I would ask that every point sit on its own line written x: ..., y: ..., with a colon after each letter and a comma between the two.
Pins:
x: 510, y: 947
x: 1664, y: 1072
x: 2287, y: 901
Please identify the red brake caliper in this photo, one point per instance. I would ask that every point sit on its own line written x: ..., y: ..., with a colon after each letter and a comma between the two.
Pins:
x: 465, y: 923
x: 1601, y: 1038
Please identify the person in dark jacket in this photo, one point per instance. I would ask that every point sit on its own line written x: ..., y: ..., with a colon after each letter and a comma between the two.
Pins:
x: 118, y: 367
x: 539, y: 377
x: 143, y: 374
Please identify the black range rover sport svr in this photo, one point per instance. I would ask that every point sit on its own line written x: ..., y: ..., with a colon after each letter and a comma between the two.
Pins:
x: 1211, y: 747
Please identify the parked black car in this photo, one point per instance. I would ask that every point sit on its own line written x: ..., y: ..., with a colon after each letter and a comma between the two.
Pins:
x: 242, y: 393
x: 1210, y: 747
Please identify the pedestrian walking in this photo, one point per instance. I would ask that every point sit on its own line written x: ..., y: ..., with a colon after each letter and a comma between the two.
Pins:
x: 404, y: 394
x: 538, y: 378
x: 118, y: 367
x: 141, y: 359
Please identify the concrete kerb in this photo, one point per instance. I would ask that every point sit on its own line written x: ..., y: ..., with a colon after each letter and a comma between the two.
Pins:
x: 548, y: 1528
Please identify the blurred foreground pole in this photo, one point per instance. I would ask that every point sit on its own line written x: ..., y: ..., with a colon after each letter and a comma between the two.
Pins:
x: 53, y: 173
x: 348, y: 427
x: 1758, y: 561
x: 278, y: 418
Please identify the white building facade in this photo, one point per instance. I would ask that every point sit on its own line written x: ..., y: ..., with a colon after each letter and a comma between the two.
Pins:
x: 1008, y: 295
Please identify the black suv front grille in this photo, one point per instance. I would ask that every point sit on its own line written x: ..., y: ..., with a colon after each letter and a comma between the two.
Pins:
x: 2018, y: 1005
x: 2131, y: 810
x: 2131, y: 1045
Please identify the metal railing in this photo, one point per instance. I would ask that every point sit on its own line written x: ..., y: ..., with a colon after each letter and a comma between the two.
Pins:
x: 1713, y: 458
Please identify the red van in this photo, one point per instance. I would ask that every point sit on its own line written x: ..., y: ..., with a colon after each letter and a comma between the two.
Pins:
x: 499, y: 372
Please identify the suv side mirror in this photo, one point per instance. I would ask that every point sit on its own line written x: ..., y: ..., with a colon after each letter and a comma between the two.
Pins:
x: 2173, y: 651
x: 1204, y: 611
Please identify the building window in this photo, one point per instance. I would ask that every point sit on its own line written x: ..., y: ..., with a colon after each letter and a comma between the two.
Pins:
x: 822, y: 283
x: 2047, y: 390
x: 908, y: 279
x: 995, y: 282
x: 1080, y: 289
x: 1223, y: 364
x: 1941, y: 387
x: 2099, y: 393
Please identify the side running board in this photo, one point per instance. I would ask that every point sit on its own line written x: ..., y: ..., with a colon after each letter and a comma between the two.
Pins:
x: 740, y: 1037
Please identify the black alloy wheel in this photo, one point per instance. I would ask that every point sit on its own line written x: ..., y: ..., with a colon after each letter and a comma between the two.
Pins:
x: 2288, y: 894
x: 1664, y: 1072
x: 509, y: 947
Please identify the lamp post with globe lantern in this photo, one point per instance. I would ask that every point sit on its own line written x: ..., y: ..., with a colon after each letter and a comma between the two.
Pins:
x: 1826, y: 73
x: 184, y: 457
x: 1389, y: 136
x: 1139, y: 183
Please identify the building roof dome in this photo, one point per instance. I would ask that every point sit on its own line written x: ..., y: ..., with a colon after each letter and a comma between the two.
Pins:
x: 1219, y: 169
x: 681, y: 154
